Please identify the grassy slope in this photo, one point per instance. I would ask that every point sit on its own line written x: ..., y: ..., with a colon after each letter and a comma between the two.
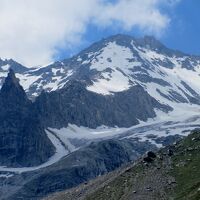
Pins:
x: 187, y: 168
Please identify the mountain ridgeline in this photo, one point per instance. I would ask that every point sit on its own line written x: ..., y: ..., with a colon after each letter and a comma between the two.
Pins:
x: 116, y: 64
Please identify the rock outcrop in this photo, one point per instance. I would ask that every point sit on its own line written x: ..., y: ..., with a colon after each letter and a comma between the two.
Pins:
x: 23, y: 141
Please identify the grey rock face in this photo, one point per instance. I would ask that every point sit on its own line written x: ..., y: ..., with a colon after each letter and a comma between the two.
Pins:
x: 76, y: 105
x: 23, y: 141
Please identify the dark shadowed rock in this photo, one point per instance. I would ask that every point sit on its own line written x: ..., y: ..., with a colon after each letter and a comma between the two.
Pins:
x: 170, y: 152
x: 151, y: 154
x: 148, y: 159
x: 76, y: 105
x: 23, y: 141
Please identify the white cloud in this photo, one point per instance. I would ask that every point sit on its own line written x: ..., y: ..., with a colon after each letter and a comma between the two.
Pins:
x: 32, y: 30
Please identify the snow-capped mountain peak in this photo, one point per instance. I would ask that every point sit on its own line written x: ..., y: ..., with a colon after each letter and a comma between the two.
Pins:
x: 118, y: 63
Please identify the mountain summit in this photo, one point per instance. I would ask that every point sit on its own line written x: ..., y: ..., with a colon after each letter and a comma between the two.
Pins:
x: 119, y: 62
x: 12, y: 91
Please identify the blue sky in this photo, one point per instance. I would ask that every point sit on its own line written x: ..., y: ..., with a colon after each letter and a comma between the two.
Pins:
x: 183, y: 32
x: 37, y: 32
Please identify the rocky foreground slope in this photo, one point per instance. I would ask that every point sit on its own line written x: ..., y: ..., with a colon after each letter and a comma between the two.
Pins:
x: 172, y: 173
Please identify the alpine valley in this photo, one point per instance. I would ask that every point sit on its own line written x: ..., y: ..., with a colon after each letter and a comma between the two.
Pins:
x: 73, y: 120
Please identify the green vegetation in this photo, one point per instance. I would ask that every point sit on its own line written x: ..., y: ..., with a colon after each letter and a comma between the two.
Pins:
x: 187, y: 168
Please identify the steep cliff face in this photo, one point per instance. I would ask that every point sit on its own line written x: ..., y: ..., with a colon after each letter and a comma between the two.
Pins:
x: 74, y: 104
x: 23, y: 141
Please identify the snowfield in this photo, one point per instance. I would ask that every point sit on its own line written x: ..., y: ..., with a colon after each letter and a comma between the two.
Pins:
x: 179, y: 122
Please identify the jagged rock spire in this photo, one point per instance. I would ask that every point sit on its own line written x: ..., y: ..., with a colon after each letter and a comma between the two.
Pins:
x: 12, y: 90
x: 26, y: 141
x: 11, y: 78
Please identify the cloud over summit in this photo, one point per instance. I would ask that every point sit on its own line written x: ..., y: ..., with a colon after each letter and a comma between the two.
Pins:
x: 32, y: 31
